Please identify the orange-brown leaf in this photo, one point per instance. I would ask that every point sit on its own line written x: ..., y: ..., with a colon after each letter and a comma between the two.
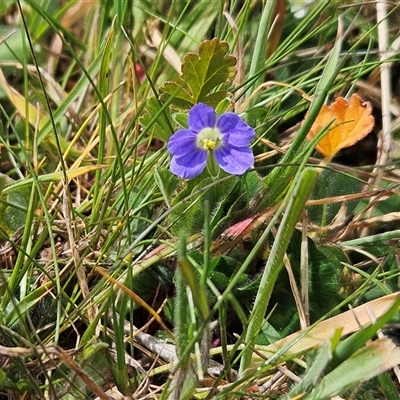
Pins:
x: 353, y: 121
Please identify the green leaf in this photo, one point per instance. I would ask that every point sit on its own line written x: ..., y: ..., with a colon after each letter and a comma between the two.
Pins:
x: 14, y: 208
x: 384, y: 206
x: 13, y: 316
x: 189, y: 214
x: 202, y: 72
x: 234, y: 202
x: 332, y: 183
x: 166, y: 182
x: 12, y: 47
x: 181, y: 119
x: 182, y: 100
x: 156, y: 120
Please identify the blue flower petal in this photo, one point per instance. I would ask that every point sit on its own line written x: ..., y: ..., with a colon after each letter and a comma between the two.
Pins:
x: 234, y: 156
x: 236, y: 132
x: 201, y: 116
x: 182, y: 142
x: 234, y: 160
x: 189, y: 165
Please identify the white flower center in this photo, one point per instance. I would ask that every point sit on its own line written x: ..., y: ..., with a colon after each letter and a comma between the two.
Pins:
x: 209, y: 139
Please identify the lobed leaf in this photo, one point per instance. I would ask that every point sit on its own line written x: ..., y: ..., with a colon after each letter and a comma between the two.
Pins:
x: 202, y: 72
x: 353, y: 121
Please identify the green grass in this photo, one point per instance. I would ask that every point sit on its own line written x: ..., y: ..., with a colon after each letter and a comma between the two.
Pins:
x: 119, y: 278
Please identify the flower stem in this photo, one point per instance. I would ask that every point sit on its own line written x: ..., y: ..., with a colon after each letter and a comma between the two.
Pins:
x: 212, y: 165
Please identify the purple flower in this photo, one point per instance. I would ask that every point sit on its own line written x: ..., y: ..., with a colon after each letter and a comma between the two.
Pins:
x: 226, y: 138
